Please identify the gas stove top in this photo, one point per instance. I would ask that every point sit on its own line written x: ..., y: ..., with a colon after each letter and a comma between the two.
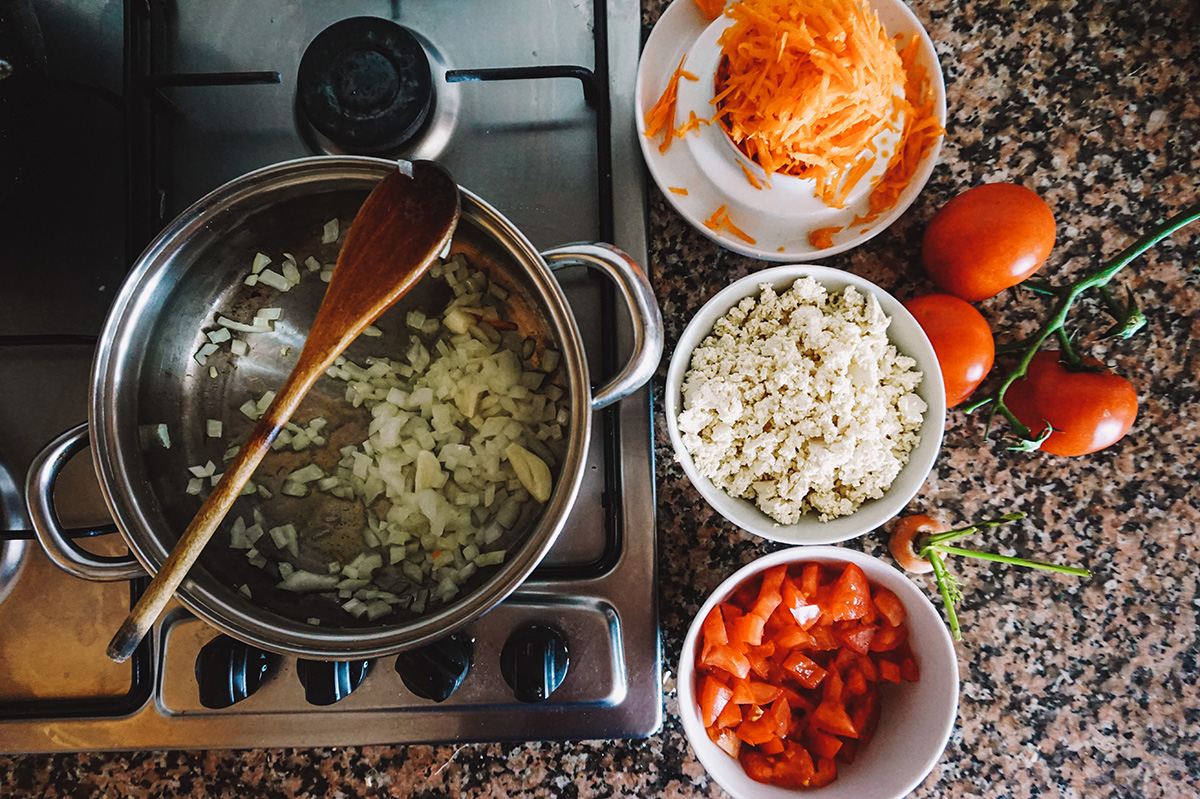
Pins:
x: 142, y: 112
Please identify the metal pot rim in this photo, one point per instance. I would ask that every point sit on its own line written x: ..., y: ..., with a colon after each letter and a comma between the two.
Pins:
x: 113, y: 457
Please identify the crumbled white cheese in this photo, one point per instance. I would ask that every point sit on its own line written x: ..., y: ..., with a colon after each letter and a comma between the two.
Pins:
x: 798, y: 402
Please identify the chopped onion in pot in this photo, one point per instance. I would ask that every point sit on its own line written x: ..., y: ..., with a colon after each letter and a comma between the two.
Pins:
x: 461, y: 437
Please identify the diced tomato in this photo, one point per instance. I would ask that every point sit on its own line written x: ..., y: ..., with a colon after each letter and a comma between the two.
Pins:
x: 747, y: 629
x: 767, y: 650
x: 760, y: 664
x: 714, y: 695
x: 825, y: 774
x: 832, y: 690
x: 810, y: 579
x: 774, y: 746
x: 742, y: 695
x: 823, y: 639
x: 713, y: 631
x: 768, y: 595
x: 756, y: 765
x: 759, y: 730
x: 728, y: 659
x: 792, y: 595
x: 793, y: 637
x: 889, y: 606
x: 731, y: 716
x: 823, y: 744
x: 789, y: 670
x: 781, y: 714
x: 857, y: 637
x: 851, y: 596
x: 727, y: 740
x: 831, y: 716
x: 888, y: 638
x: 731, y: 615
x: 807, y: 673
x: 765, y: 693
x: 856, y: 683
x: 794, y: 768
x: 754, y: 692
x: 865, y: 716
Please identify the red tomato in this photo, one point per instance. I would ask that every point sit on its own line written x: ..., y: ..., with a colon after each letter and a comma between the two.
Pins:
x: 987, y: 239
x: 960, y: 337
x: 1088, y: 410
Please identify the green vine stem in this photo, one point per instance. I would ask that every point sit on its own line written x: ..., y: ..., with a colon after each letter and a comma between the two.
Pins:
x: 934, y: 547
x: 1129, y: 319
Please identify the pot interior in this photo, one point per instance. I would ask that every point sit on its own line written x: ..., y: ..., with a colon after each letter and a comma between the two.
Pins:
x: 197, y: 274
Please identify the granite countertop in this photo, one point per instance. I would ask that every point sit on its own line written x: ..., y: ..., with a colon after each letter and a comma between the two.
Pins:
x: 1070, y: 687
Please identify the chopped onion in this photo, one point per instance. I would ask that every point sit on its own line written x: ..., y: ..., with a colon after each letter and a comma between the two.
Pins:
x: 274, y: 280
x: 330, y: 234
x: 213, y: 428
x: 242, y: 327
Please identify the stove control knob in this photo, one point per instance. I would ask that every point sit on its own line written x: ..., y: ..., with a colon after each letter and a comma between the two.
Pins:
x: 329, y: 681
x: 534, y: 662
x: 435, y: 671
x: 228, y: 671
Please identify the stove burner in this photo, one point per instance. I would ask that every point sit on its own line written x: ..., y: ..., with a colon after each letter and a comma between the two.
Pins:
x: 365, y: 84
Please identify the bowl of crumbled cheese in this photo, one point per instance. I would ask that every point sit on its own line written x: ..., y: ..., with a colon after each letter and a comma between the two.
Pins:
x: 805, y: 404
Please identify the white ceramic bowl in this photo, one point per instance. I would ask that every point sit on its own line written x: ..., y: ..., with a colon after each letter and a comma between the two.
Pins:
x: 916, y: 718
x: 705, y: 163
x: 904, y: 332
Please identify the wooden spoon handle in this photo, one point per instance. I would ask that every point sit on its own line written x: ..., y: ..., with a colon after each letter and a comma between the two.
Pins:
x: 143, y: 615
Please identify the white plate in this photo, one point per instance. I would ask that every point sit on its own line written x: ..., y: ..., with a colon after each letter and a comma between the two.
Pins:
x: 780, y: 216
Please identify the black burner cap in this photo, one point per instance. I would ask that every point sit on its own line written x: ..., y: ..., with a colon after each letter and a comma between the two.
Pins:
x: 365, y: 84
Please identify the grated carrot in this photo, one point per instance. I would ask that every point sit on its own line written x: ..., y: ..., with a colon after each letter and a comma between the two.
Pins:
x: 720, y: 221
x: 713, y: 223
x: 678, y: 190
x: 750, y: 176
x: 921, y: 131
x: 662, y: 115
x: 693, y: 123
x: 822, y: 238
x: 711, y: 9
x: 804, y: 86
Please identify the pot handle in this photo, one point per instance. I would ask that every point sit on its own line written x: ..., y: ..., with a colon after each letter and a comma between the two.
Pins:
x: 39, y: 497
x: 635, y: 289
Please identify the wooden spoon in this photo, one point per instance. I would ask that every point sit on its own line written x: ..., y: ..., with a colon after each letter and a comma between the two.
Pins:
x: 406, y: 223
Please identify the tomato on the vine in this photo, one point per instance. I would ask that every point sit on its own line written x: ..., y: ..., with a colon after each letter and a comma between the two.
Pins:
x: 1088, y: 408
x: 960, y: 337
x: 987, y: 239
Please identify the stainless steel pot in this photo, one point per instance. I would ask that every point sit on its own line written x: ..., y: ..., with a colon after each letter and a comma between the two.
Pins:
x: 145, y: 375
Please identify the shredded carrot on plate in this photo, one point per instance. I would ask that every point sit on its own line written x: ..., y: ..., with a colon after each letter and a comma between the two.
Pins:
x: 678, y: 190
x: 822, y: 238
x: 720, y: 221
x: 662, y: 115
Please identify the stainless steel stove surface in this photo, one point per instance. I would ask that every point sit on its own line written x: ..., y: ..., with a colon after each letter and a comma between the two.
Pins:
x: 144, y: 109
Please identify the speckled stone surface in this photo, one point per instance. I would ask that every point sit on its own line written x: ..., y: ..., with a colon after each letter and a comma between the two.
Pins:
x: 1070, y: 688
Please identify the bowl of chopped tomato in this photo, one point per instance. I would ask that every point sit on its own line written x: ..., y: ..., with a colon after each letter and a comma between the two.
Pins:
x: 818, y: 669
